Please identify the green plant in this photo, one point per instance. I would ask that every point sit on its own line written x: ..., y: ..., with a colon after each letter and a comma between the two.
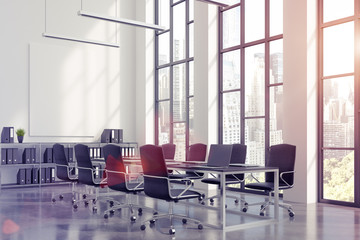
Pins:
x: 20, y: 132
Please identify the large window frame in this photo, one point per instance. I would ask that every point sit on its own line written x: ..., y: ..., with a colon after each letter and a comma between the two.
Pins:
x: 328, y: 144
x: 175, y: 65
x: 268, y: 85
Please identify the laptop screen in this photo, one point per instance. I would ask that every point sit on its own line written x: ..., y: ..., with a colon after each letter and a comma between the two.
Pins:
x: 219, y: 155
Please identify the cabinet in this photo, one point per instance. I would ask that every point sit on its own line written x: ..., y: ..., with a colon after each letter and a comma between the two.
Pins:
x: 32, y: 164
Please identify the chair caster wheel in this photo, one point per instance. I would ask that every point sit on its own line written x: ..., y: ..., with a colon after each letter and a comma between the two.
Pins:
x: 291, y: 214
x: 152, y: 221
x: 155, y: 213
x: 142, y: 227
x: 132, y: 218
x: 184, y: 220
x: 200, y: 226
x: 112, y: 211
x: 94, y: 201
x: 211, y: 200
x: 94, y: 209
x: 236, y: 201
x: 246, y: 204
x: 203, y: 195
x: 53, y: 200
x: 111, y: 203
x: 73, y: 201
x: 203, y: 203
x: 84, y: 196
x: 140, y: 210
x: 171, y: 231
x: 106, y: 216
x: 262, y: 214
x: 61, y: 197
x: 244, y: 209
x: 225, y: 205
x: 86, y: 203
x: 75, y: 206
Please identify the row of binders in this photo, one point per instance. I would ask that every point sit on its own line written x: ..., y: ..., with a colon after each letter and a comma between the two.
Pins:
x: 35, y: 175
x: 96, y: 152
x: 112, y: 136
x: 49, y: 157
x: 15, y: 156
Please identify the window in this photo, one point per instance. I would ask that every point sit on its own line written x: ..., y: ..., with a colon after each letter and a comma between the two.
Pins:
x: 174, y: 74
x: 251, y: 65
x: 338, y: 74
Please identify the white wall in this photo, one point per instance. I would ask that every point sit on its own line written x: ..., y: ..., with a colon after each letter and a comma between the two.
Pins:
x: 300, y: 95
x: 22, y: 24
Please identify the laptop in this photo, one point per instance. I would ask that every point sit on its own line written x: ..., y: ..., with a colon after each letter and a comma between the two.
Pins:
x: 219, y: 156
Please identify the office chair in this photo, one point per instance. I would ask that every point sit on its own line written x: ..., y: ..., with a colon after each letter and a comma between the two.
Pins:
x: 197, y: 154
x: 169, y: 151
x: 281, y: 156
x: 63, y: 170
x: 238, y: 156
x: 157, y: 185
x: 119, y: 180
x: 86, y: 173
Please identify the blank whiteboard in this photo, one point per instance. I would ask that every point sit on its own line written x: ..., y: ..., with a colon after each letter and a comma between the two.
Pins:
x: 65, y: 88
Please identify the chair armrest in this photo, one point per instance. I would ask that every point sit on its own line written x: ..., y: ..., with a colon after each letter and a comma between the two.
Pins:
x: 281, y: 177
x: 69, y: 169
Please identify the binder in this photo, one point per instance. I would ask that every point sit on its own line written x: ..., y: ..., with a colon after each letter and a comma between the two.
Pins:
x: 26, y: 156
x: 42, y: 175
x: 35, y: 175
x: 3, y: 156
x: 21, y: 177
x: 120, y: 135
x: 15, y: 156
x: 9, y: 156
x: 28, y: 176
x: 47, y: 175
x: 33, y: 155
x: 7, y: 135
x: 114, y: 135
x: 52, y: 172
x: 106, y: 136
x: 91, y: 152
x: 48, y: 155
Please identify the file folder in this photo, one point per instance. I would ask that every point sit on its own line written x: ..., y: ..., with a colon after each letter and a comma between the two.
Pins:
x: 9, y: 156
x: 33, y: 155
x: 42, y: 175
x: 106, y: 136
x: 15, y: 156
x: 47, y: 175
x: 35, y: 175
x: 27, y: 156
x: 28, y: 176
x: 21, y: 177
x: 52, y: 172
x: 114, y: 136
x: 7, y: 135
x: 48, y: 155
x: 3, y: 156
x: 120, y: 135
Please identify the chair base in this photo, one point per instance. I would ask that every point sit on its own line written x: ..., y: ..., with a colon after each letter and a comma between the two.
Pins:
x: 267, y: 203
x: 244, y: 204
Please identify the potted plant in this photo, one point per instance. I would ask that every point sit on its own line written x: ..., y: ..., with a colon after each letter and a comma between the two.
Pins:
x: 20, y: 134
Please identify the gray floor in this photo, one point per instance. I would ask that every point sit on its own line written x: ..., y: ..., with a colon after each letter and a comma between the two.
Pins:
x: 28, y: 213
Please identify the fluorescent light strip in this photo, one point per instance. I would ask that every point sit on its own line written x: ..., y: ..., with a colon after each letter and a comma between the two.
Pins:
x: 80, y: 40
x: 214, y: 2
x: 121, y: 20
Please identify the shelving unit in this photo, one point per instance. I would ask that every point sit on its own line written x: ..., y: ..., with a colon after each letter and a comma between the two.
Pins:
x: 9, y: 172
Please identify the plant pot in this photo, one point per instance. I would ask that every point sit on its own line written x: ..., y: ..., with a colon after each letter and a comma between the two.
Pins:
x: 20, y: 139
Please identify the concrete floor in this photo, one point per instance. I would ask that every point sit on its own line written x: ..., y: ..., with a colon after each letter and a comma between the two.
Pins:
x: 28, y: 213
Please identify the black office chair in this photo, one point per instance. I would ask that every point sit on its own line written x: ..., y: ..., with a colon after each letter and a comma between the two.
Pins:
x: 281, y: 156
x: 119, y: 180
x: 238, y: 156
x: 63, y: 170
x: 157, y: 185
x: 87, y: 173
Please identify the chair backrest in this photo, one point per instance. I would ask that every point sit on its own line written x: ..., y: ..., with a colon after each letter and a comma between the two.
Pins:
x: 83, y: 159
x: 219, y: 155
x: 114, y: 163
x: 153, y: 163
x: 283, y: 157
x: 169, y: 150
x: 60, y: 158
x: 238, y: 155
x: 197, y: 153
